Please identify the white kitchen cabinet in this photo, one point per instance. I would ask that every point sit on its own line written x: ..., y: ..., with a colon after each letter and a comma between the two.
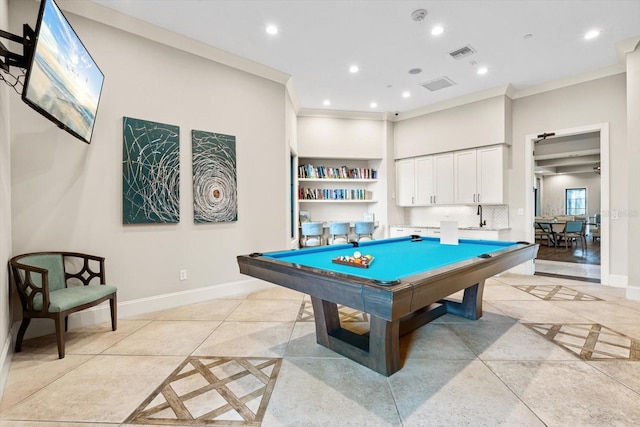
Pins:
x: 476, y: 234
x: 409, y: 231
x: 443, y: 179
x: 479, y: 175
x: 405, y: 182
x: 425, y: 181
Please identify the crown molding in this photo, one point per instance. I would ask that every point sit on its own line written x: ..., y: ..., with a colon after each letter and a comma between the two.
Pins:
x: 626, y: 46
x: 570, y: 81
x: 343, y: 114
x: 503, y: 90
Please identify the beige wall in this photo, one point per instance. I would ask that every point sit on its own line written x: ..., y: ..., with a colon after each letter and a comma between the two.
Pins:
x: 328, y: 137
x: 598, y: 101
x: 553, y: 192
x: 471, y: 125
x: 68, y: 195
x: 5, y: 215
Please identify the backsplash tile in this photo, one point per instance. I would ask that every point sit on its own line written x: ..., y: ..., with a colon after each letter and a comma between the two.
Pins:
x: 497, y: 216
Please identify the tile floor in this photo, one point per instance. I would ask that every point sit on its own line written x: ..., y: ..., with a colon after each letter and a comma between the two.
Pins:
x: 548, y: 351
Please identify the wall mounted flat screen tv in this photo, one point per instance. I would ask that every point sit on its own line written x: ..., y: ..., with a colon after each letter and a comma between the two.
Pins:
x: 63, y: 82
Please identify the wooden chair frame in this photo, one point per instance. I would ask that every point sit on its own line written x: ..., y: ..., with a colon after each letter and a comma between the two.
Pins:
x: 22, y: 274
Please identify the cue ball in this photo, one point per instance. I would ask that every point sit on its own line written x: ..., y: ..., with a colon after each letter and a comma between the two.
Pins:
x: 357, y: 254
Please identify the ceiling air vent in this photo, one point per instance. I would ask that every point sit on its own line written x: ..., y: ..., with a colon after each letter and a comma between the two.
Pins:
x: 462, y: 52
x: 437, y: 84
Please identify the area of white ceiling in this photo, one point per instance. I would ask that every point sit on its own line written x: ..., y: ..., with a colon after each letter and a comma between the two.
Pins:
x: 522, y: 43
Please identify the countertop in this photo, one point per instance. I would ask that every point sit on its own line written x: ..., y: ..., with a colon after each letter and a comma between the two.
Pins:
x: 459, y: 228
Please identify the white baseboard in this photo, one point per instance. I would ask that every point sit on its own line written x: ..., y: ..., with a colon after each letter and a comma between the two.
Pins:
x: 5, y: 360
x: 102, y: 314
x: 618, y: 281
x: 633, y: 293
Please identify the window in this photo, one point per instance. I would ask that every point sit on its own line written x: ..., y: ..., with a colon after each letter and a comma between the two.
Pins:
x: 576, y: 201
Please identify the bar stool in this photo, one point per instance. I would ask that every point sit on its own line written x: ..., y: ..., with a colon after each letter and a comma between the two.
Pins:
x: 338, y: 233
x: 364, y: 230
x: 311, y: 234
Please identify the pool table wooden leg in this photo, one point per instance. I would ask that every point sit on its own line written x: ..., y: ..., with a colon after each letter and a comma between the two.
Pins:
x: 471, y: 305
x: 380, y: 350
x: 384, y: 345
x: 327, y: 319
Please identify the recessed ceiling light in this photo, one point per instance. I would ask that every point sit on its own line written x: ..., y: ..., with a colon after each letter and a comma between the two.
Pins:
x: 373, y: 105
x: 326, y: 102
x: 415, y: 71
x: 483, y: 70
x: 272, y: 30
x: 406, y: 94
x: 437, y: 30
x: 592, y: 34
x: 354, y: 69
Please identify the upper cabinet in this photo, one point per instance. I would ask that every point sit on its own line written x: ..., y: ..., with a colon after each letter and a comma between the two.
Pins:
x: 406, y: 182
x: 425, y: 181
x: 479, y: 175
x: 443, y: 178
x: 460, y: 177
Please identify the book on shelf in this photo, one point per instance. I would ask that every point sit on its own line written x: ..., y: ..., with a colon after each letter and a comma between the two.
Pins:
x: 332, y: 194
x: 343, y: 172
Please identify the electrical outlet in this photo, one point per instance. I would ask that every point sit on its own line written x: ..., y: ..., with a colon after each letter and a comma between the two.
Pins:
x: 183, y: 274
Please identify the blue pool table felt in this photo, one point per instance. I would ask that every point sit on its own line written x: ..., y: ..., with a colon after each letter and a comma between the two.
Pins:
x: 393, y: 258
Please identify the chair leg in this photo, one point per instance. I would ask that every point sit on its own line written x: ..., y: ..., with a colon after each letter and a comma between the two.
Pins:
x: 60, y: 333
x: 114, y: 312
x: 23, y: 328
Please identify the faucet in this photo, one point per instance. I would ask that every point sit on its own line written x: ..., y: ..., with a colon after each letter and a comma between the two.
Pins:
x: 482, y: 223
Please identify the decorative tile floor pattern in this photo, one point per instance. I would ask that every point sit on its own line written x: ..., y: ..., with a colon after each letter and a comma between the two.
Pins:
x: 590, y: 341
x: 211, y: 391
x: 556, y: 293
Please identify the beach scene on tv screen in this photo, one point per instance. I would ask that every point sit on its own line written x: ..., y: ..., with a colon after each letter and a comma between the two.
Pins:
x: 64, y: 81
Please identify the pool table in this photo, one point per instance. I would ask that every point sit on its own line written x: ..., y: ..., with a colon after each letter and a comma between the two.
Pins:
x: 404, y: 287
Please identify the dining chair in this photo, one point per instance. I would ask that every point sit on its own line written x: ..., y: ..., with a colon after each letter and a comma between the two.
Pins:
x: 545, y: 231
x: 312, y: 234
x: 339, y: 233
x: 364, y: 230
x: 574, y: 231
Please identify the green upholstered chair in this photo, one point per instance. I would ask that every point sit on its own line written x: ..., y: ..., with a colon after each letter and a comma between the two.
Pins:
x: 574, y: 231
x: 55, y: 284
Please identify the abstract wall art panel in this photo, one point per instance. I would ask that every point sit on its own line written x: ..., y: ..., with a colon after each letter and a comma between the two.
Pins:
x: 150, y: 172
x: 215, y: 197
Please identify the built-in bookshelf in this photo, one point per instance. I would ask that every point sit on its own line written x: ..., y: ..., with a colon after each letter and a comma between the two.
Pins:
x: 338, y: 184
x: 337, y: 189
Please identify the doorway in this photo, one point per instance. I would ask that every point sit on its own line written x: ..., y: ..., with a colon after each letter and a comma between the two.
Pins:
x: 563, y: 156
